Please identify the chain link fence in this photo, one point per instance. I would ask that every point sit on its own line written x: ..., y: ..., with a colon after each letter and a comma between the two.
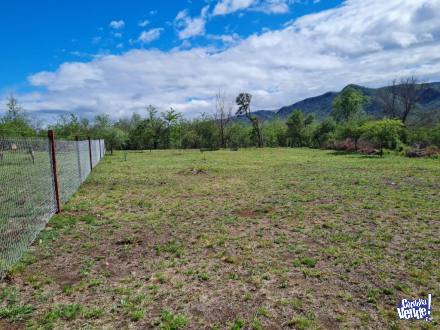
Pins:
x: 37, y: 175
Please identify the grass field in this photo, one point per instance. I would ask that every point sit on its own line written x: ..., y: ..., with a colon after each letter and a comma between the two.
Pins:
x: 254, y: 239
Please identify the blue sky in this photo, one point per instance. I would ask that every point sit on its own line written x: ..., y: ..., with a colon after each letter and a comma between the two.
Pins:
x: 41, y: 35
x: 96, y: 56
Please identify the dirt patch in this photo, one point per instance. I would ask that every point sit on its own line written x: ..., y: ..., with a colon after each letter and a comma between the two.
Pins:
x: 249, y: 213
x: 246, y: 213
x: 11, y: 326
x: 64, y: 277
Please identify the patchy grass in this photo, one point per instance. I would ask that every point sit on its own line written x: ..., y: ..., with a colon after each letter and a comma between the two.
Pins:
x: 255, y: 239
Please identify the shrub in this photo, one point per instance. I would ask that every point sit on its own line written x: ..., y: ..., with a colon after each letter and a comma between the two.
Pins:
x: 386, y: 133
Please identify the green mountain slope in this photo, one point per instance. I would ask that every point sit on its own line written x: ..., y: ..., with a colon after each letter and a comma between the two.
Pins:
x: 427, y: 112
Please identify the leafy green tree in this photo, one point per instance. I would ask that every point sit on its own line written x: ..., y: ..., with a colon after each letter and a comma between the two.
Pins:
x: 324, y: 132
x: 69, y: 126
x: 15, y: 121
x: 171, y: 118
x: 275, y: 133
x: 207, y: 132
x: 243, y: 101
x: 386, y: 133
x: 115, y: 138
x: 351, y: 129
x: 348, y: 105
x: 297, y: 132
x: 102, y: 121
x: 238, y: 135
x: 147, y: 133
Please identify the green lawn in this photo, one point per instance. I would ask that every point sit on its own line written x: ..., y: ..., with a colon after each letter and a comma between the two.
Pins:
x: 254, y: 239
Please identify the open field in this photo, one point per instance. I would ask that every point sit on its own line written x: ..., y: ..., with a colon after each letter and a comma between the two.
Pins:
x: 254, y: 239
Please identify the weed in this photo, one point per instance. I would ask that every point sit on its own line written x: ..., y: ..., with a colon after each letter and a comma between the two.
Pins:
x: 65, y: 312
x: 238, y: 324
x: 172, y: 247
x: 170, y: 321
x: 14, y: 313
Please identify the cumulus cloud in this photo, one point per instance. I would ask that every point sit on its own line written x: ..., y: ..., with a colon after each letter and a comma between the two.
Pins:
x: 189, y: 27
x: 150, y: 35
x: 364, y: 42
x: 117, y: 24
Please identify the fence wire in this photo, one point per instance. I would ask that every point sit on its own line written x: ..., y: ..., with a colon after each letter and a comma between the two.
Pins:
x: 96, y: 154
x: 27, y: 193
x: 84, y: 159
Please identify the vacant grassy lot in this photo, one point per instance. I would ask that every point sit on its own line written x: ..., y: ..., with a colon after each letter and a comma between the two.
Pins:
x: 255, y: 239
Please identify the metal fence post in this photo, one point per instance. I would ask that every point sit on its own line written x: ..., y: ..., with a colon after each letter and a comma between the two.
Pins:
x: 90, y: 154
x: 79, y: 159
x: 53, y: 158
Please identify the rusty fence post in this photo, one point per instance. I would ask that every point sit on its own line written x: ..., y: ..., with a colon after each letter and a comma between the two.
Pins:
x: 53, y: 158
x: 90, y: 154
x: 79, y: 159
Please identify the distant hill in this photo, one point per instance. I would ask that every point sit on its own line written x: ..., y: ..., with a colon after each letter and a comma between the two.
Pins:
x: 428, y: 109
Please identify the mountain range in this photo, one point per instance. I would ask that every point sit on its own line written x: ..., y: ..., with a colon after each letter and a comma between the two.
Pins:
x: 426, y: 113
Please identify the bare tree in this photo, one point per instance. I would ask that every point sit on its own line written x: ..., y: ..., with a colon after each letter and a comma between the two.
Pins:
x: 410, y: 92
x: 400, y: 99
x: 243, y: 101
x: 222, y: 116
x: 389, y: 98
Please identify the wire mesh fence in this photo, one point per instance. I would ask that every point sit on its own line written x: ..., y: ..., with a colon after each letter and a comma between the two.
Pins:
x: 30, y: 173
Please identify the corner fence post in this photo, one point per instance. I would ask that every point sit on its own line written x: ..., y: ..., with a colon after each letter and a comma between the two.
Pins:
x: 90, y: 154
x: 53, y: 158
x: 79, y: 159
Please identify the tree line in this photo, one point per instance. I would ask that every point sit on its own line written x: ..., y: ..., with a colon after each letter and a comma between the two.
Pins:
x: 347, y: 127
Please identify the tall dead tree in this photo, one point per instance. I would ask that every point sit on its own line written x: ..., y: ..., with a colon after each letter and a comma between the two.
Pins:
x: 410, y: 92
x: 400, y: 99
x: 243, y: 101
x: 389, y: 98
x: 222, y: 116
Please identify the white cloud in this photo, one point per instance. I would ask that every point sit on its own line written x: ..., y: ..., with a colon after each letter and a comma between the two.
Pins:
x: 225, y: 7
x: 150, y: 35
x: 225, y: 38
x: 117, y: 24
x: 189, y: 27
x: 144, y: 23
x: 364, y: 42
x: 274, y: 6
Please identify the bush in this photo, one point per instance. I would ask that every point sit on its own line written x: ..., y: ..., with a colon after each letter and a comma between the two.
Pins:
x: 386, y: 133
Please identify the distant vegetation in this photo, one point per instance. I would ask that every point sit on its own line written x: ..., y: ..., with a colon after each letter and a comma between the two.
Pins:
x: 349, y: 125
